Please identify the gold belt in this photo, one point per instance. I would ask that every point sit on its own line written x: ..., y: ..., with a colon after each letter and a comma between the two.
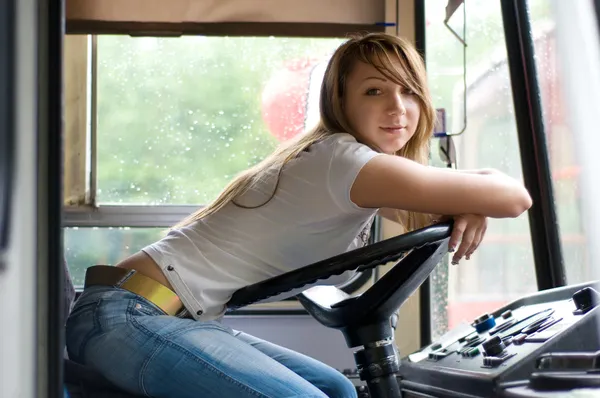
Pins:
x: 131, y: 280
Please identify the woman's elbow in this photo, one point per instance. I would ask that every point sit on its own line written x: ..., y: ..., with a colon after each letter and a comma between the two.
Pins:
x: 521, y: 203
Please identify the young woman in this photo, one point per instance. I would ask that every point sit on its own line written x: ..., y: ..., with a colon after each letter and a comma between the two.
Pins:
x: 151, y: 325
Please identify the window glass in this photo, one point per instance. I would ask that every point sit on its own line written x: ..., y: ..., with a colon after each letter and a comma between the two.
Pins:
x: 502, y: 269
x: 559, y: 137
x: 84, y: 247
x: 178, y: 118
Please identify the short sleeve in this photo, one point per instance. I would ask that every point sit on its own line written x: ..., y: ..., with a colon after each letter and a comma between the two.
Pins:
x: 347, y: 159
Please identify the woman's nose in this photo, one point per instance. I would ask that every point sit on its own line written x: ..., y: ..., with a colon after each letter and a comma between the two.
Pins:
x: 396, y: 106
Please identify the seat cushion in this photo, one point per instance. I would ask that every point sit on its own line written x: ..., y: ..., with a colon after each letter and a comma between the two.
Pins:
x: 82, y: 381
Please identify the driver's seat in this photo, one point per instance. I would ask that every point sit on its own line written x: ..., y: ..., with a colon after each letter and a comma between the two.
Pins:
x: 364, y: 320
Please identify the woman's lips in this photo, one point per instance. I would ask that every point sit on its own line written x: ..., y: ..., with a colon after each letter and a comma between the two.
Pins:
x: 394, y: 129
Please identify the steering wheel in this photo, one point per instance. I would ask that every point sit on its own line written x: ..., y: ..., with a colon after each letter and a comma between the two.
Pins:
x: 364, y: 320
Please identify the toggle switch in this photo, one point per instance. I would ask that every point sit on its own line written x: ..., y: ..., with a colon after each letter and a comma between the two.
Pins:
x: 494, y: 346
x: 585, y: 299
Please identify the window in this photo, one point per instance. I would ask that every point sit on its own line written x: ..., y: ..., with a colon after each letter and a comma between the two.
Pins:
x: 88, y: 246
x: 564, y: 165
x: 178, y: 118
x: 169, y: 122
x: 502, y: 269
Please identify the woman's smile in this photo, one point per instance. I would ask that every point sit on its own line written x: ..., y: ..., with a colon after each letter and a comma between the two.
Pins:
x: 394, y: 129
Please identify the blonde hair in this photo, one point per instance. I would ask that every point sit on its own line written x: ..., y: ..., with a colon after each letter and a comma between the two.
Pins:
x: 382, y: 51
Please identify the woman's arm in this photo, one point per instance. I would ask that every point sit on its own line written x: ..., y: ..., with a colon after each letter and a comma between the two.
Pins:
x: 401, y: 216
x: 388, y: 181
x: 471, y: 171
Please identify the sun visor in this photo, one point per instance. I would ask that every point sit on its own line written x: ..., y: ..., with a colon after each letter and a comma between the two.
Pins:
x: 198, y: 16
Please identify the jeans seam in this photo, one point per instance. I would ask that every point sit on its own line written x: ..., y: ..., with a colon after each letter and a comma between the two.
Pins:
x: 202, y: 362
x: 145, y: 365
x: 95, y: 331
x: 181, y: 331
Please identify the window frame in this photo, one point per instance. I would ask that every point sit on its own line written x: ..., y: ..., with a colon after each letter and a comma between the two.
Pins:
x: 134, y: 216
x: 543, y: 221
x: 309, y: 18
x: 80, y: 205
x: 90, y: 19
x: 533, y: 151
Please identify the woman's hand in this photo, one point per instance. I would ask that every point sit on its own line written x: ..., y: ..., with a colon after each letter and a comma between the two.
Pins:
x: 468, y: 231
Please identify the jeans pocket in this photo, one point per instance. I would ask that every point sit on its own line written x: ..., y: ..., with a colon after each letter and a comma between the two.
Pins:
x: 142, y: 307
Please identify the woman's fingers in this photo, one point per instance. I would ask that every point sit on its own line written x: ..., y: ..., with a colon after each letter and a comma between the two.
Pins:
x: 468, y: 237
x: 468, y: 231
x: 460, y: 224
x: 476, y: 242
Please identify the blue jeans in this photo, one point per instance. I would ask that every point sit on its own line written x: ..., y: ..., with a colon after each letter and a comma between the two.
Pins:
x: 143, y: 351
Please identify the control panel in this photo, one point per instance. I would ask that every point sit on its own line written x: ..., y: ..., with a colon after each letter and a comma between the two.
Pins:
x: 518, y: 346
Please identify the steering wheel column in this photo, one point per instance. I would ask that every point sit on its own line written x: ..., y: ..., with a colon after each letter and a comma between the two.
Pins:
x: 365, y: 320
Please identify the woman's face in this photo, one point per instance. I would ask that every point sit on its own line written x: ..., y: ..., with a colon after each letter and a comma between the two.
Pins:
x: 382, y: 113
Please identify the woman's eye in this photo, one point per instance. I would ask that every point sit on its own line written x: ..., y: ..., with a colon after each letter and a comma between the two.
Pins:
x: 408, y: 92
x: 373, y: 91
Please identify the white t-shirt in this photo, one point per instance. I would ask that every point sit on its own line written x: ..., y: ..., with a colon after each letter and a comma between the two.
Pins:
x: 310, y: 218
